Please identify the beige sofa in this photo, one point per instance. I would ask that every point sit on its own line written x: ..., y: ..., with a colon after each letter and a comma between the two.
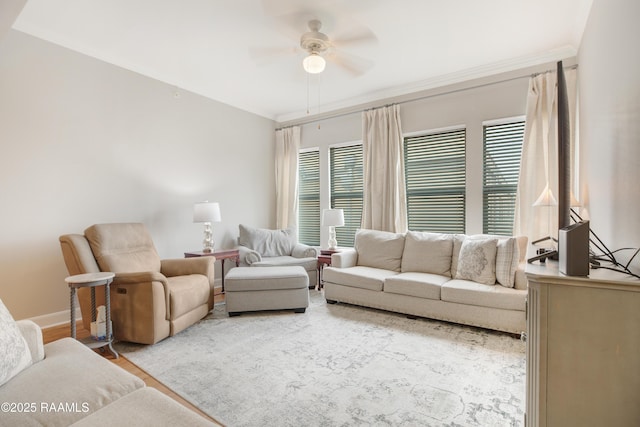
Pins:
x: 260, y: 247
x: 65, y: 383
x: 474, y: 280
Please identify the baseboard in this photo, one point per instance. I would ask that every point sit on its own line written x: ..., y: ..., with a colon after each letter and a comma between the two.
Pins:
x: 55, y: 319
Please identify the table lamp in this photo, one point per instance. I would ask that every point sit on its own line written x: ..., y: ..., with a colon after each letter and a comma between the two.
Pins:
x: 332, y: 218
x: 207, y: 212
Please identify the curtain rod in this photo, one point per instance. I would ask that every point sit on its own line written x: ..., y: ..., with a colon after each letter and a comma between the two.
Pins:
x: 420, y: 98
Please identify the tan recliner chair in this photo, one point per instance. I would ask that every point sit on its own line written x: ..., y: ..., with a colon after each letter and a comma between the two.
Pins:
x: 151, y: 299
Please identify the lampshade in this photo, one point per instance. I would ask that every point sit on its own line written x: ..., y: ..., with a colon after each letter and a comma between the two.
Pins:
x: 333, y: 217
x: 313, y: 63
x: 546, y: 198
x: 206, y: 212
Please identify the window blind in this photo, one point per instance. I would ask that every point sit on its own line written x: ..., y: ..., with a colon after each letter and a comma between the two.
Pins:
x: 309, y: 198
x: 436, y: 181
x: 501, y: 160
x: 347, y: 189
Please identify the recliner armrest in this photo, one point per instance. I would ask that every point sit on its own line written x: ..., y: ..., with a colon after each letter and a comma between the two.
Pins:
x: 139, y: 277
x: 33, y: 336
x: 345, y: 258
x: 144, y: 277
x: 300, y: 250
x: 185, y: 266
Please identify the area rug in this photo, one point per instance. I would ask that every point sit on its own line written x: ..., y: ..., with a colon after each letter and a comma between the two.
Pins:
x: 340, y: 365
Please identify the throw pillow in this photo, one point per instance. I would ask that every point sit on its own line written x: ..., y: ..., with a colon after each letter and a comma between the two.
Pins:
x: 427, y: 253
x: 379, y: 249
x: 507, y: 258
x: 455, y: 255
x: 13, y: 347
x: 267, y: 242
x: 252, y: 257
x: 477, y: 260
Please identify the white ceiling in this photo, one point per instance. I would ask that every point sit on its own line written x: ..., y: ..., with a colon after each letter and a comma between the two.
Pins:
x: 210, y: 46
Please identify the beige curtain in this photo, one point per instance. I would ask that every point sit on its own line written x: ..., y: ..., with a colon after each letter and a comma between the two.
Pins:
x: 539, y: 164
x: 287, y: 147
x: 384, y: 204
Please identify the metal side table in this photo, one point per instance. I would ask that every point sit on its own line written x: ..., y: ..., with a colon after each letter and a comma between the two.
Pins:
x: 91, y: 280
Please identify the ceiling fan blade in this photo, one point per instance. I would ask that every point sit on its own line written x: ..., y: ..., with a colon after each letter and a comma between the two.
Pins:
x: 338, y: 7
x: 354, y: 64
x: 358, y: 36
x: 268, y: 55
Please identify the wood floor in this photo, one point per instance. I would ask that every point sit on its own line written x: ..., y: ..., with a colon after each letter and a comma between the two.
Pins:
x: 57, y: 332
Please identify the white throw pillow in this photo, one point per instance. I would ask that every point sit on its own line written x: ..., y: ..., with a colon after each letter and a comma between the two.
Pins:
x: 13, y: 347
x: 477, y: 260
x: 427, y: 253
x: 457, y: 244
x: 507, y: 258
x: 266, y: 242
x: 379, y: 249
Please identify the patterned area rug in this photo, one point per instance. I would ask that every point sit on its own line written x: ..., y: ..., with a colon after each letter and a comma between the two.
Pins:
x: 340, y: 365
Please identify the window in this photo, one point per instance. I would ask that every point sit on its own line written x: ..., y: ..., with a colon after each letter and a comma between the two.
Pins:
x: 346, y: 189
x: 309, y: 198
x: 435, y: 181
x: 501, y: 159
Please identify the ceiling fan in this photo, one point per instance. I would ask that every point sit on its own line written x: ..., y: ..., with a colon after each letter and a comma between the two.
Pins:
x: 316, y: 44
x: 319, y: 49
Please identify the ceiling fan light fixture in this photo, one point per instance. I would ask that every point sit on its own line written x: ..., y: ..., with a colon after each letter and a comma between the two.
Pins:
x: 314, y: 63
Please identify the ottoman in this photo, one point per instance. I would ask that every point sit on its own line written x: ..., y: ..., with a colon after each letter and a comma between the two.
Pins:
x: 266, y: 288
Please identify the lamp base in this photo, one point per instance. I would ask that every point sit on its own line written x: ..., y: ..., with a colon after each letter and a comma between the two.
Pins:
x: 333, y: 243
x: 208, y: 238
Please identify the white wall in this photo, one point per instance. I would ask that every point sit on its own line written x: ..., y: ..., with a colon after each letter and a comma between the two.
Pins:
x: 86, y: 142
x: 468, y: 104
x: 609, y: 82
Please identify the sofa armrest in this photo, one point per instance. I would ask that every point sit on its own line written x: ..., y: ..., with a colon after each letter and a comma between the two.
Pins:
x: 33, y: 336
x: 521, y: 278
x: 248, y: 256
x: 300, y: 250
x: 345, y: 258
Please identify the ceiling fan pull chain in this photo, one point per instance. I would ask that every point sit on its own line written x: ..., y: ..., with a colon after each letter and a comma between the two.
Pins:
x: 307, y: 94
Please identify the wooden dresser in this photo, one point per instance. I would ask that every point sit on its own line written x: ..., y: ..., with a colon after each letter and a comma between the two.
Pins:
x: 583, y: 348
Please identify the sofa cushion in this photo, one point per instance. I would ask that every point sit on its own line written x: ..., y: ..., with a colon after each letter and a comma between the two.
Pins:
x: 70, y: 374
x: 379, y: 249
x: 267, y: 242
x: 16, y: 355
x: 477, y: 260
x: 421, y: 285
x: 309, y: 264
x: 357, y: 277
x: 507, y: 260
x: 473, y: 293
x: 144, y: 407
x: 245, y: 279
x: 427, y: 253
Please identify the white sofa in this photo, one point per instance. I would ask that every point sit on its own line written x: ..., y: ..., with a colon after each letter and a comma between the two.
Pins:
x: 65, y: 383
x: 474, y: 280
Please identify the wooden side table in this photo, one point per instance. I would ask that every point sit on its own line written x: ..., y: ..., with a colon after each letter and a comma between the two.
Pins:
x: 222, y: 255
x: 91, y: 280
x: 324, y: 259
